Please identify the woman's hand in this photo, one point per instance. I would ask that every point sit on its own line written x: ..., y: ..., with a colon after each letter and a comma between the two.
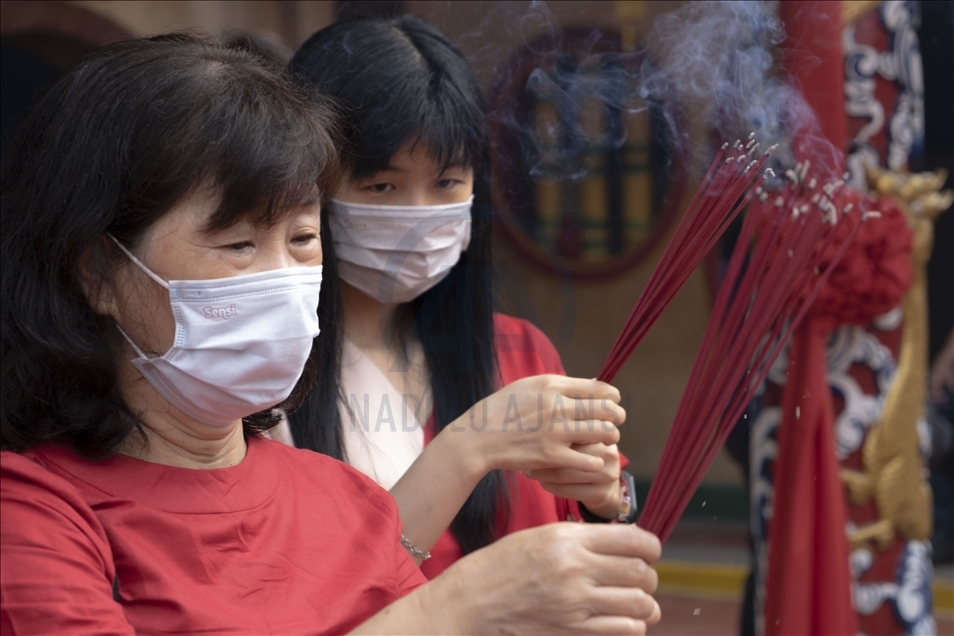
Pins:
x: 600, y: 491
x: 539, y: 422
x: 562, y: 578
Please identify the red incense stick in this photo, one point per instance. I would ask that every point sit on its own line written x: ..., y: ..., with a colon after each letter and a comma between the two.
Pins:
x: 724, y: 191
x: 774, y: 274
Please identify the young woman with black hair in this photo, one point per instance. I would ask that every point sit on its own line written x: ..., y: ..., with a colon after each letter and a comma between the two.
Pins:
x: 159, y: 285
x: 421, y: 354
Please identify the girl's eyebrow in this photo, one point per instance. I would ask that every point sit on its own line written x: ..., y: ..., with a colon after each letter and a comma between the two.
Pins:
x: 456, y: 166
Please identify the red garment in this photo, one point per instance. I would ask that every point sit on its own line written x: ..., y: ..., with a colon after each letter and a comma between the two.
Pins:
x: 288, y: 541
x: 809, y: 584
x: 522, y: 351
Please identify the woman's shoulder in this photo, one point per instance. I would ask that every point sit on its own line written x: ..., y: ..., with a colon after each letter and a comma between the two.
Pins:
x: 28, y: 472
x: 523, y: 349
x: 328, y: 473
x: 33, y: 495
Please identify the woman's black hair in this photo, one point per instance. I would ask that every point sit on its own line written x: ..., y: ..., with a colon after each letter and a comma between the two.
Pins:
x: 113, y: 144
x: 402, y: 84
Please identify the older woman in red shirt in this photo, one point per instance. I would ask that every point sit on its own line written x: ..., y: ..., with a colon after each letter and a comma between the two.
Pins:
x: 161, y: 267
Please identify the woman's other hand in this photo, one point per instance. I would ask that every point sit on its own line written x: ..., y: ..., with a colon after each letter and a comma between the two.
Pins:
x: 562, y: 578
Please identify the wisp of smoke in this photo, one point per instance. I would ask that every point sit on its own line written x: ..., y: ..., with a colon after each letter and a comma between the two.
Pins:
x: 720, y: 60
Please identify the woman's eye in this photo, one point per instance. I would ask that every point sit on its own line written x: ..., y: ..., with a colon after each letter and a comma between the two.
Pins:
x: 304, y: 240
x: 242, y: 246
x: 380, y: 187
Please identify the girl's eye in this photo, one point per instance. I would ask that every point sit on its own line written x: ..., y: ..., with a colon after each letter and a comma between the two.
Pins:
x: 380, y: 187
x: 445, y: 184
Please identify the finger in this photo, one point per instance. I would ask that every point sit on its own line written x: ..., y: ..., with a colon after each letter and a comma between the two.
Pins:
x: 583, y: 432
x: 564, y: 476
x: 625, y: 572
x: 622, y: 540
x: 567, y: 458
x: 609, y: 453
x: 613, y: 625
x: 584, y: 406
x: 597, y: 498
x: 622, y: 601
x: 656, y: 616
x: 572, y: 387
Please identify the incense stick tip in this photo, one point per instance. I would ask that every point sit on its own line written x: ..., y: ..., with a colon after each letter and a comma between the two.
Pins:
x: 752, y: 135
x: 725, y: 145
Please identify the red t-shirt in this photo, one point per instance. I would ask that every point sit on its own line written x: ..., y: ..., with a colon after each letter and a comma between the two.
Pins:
x: 522, y: 351
x: 288, y: 541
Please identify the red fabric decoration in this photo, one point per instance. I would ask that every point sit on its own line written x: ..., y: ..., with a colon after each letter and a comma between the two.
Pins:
x: 809, y: 584
x: 874, y: 273
x: 808, y: 592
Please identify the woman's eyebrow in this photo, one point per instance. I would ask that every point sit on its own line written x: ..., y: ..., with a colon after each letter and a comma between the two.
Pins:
x: 462, y: 166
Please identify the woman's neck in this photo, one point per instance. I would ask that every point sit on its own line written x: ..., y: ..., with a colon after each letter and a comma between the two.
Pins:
x: 377, y: 331
x: 171, y: 437
x: 367, y: 323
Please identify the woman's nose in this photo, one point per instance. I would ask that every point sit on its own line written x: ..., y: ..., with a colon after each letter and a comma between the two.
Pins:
x: 421, y: 197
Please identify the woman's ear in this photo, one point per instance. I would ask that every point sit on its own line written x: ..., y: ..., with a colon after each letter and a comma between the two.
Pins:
x: 95, y: 278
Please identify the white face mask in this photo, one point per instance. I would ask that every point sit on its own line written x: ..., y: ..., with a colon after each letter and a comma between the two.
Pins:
x: 395, y: 253
x: 241, y: 343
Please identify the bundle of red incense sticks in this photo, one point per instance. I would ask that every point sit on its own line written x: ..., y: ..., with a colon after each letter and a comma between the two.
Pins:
x: 724, y: 191
x: 786, y: 250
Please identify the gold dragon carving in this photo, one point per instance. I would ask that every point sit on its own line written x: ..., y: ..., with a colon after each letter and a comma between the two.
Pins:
x: 894, y: 473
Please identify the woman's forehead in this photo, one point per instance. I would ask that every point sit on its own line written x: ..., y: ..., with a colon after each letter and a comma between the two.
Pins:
x: 419, y: 158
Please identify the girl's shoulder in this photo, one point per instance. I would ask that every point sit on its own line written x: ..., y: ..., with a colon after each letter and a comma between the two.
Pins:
x: 523, y: 349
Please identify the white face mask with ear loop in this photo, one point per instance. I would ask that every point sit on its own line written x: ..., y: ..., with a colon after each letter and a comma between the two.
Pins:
x: 241, y: 343
x: 395, y: 253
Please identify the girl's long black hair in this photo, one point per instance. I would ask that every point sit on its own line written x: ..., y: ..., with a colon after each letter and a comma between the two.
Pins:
x: 401, y: 82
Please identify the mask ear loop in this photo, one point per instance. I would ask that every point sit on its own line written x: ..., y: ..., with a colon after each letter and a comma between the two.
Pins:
x: 138, y: 262
x: 151, y: 275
